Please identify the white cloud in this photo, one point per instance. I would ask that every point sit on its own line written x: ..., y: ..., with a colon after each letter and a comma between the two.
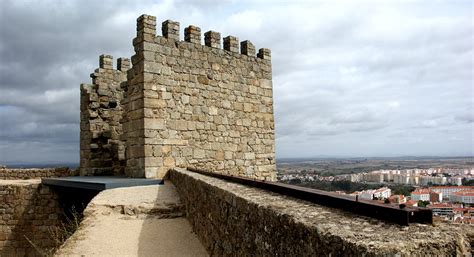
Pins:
x: 354, y: 78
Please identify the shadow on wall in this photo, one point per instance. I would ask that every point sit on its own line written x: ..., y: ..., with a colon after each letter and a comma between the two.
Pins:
x: 165, y: 230
x: 30, y: 213
x: 74, y: 201
x: 37, y: 219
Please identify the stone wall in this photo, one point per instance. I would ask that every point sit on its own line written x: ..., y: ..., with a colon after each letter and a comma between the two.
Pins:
x: 198, y: 105
x: 233, y: 219
x: 7, y: 173
x: 102, y: 148
x: 27, y: 210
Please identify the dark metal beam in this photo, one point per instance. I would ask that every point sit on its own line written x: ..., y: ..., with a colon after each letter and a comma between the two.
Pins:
x: 398, y: 214
x: 99, y: 183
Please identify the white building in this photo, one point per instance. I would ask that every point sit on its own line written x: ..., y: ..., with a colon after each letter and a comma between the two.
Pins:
x: 373, y: 177
x: 366, y: 194
x: 387, y: 177
x: 448, y: 190
x: 414, y: 180
x: 423, y: 195
x: 380, y: 193
x: 455, y: 180
x: 426, y: 180
x: 355, y: 177
x: 401, y: 179
x: 442, y: 209
x: 463, y: 197
x: 383, y: 193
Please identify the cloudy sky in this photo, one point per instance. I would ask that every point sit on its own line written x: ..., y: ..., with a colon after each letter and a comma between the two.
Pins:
x: 351, y: 78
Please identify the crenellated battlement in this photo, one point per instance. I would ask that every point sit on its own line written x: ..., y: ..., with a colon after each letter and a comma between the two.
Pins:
x: 192, y: 34
x: 106, y: 62
x: 146, y: 31
x: 170, y: 29
x: 198, y: 105
x: 203, y: 102
x: 123, y: 64
x: 212, y: 39
x: 231, y: 43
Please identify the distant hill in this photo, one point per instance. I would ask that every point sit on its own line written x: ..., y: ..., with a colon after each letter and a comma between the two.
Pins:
x: 400, y: 158
x: 40, y: 165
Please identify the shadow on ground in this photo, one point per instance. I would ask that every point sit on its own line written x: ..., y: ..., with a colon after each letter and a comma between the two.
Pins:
x: 165, y: 230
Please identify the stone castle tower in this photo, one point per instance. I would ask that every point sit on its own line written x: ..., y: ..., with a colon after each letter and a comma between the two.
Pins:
x: 180, y: 104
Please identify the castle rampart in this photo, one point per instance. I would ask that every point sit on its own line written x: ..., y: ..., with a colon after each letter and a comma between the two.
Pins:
x: 233, y: 219
x: 33, y: 173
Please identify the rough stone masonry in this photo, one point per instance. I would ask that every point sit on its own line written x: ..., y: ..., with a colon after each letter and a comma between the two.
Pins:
x: 102, y: 150
x: 182, y: 104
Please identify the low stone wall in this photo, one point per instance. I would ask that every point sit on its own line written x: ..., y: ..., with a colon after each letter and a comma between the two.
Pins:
x: 236, y: 220
x: 7, y: 173
x: 27, y: 210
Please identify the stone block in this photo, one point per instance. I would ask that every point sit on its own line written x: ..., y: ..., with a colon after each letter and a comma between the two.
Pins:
x: 249, y: 156
x: 123, y: 64
x: 264, y: 53
x: 161, y: 172
x: 213, y: 110
x: 212, y: 39
x: 170, y: 29
x: 231, y: 43
x: 150, y: 172
x: 153, y: 161
x: 199, y: 153
x: 106, y: 62
x: 192, y: 34
x: 169, y: 162
x: 181, y: 125
x: 154, y: 123
x: 184, y: 99
x: 247, y: 48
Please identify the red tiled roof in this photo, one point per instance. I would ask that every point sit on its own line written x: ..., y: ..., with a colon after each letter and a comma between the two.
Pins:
x: 464, y: 193
x: 457, y: 187
x: 459, y: 209
x: 442, y: 205
x: 421, y: 192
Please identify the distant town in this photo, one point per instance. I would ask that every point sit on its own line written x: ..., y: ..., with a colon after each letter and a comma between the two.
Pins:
x: 447, y: 190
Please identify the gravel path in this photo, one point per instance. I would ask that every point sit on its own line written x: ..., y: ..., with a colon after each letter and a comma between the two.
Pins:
x: 134, y: 221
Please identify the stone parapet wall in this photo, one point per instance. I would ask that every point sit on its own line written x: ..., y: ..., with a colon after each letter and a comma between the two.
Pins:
x: 9, y: 174
x: 27, y: 210
x: 102, y: 148
x: 198, y: 105
x: 233, y: 219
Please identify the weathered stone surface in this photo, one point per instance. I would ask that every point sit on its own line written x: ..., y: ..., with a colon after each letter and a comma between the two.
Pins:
x: 102, y: 148
x: 247, y: 48
x: 202, y: 101
x: 233, y: 219
x: 170, y: 29
x: 213, y: 107
x: 264, y: 53
x: 231, y: 43
x: 28, y: 211
x: 33, y: 173
x: 212, y: 39
x: 192, y: 34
